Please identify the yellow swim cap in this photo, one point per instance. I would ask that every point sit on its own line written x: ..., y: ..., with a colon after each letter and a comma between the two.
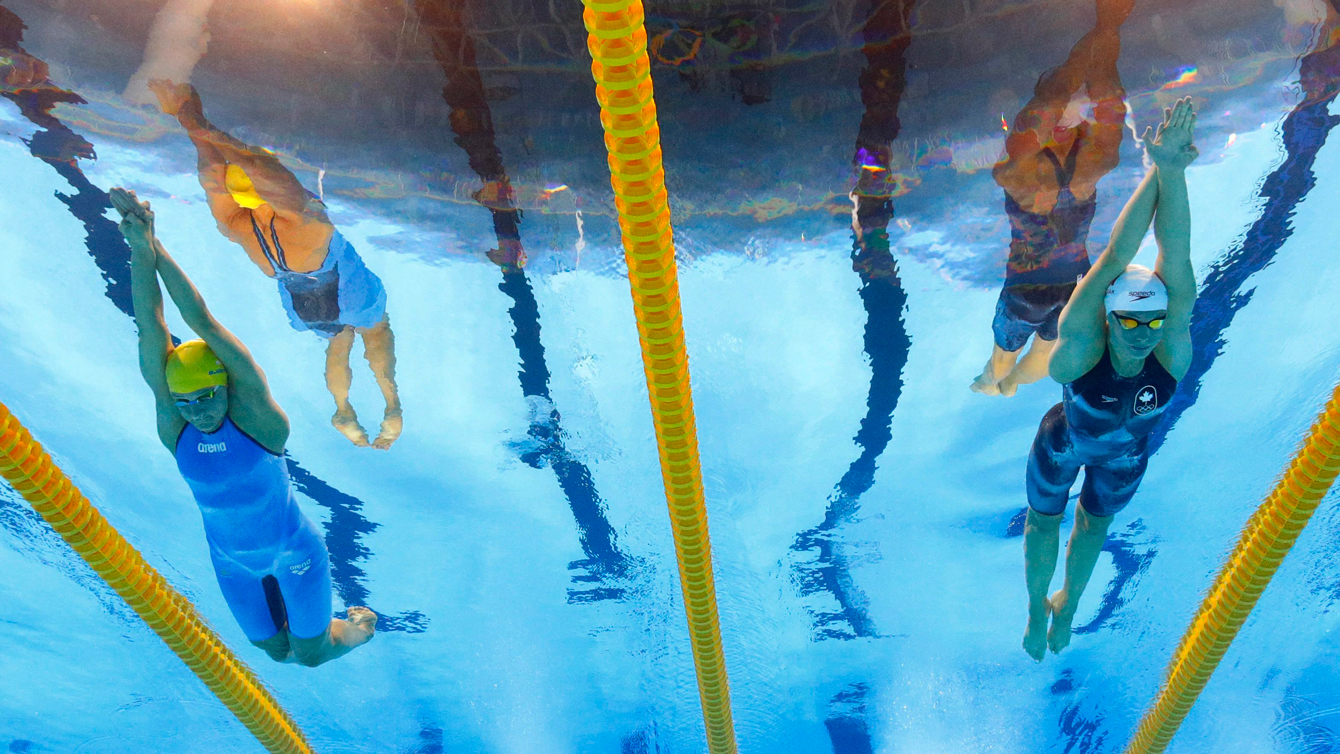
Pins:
x: 193, y: 366
x: 240, y: 186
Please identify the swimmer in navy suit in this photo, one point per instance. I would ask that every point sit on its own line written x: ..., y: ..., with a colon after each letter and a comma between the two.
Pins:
x: 217, y: 417
x: 1124, y: 343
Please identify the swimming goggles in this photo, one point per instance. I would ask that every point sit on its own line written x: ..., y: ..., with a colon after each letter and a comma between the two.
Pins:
x: 1130, y: 324
x: 182, y: 402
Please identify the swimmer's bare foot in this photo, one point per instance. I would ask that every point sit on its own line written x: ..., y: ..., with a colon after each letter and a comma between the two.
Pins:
x: 1058, y: 637
x: 348, y: 633
x: 364, y: 621
x: 1035, y: 636
x: 176, y: 99
x: 1009, y: 385
x: 346, y: 421
x: 392, y: 424
x: 986, y: 383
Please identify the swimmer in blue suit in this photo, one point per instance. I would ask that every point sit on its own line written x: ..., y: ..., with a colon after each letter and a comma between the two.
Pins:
x: 324, y: 285
x: 1124, y: 343
x: 1061, y: 144
x: 216, y: 415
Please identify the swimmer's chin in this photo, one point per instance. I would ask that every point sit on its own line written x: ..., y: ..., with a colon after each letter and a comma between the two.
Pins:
x: 208, y: 429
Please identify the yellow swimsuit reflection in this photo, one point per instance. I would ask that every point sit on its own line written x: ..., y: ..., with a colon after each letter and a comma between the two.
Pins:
x: 325, y: 287
x: 1062, y: 142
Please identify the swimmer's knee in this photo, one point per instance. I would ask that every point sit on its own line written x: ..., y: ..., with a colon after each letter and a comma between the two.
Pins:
x: 1044, y: 521
x: 277, y: 647
x: 311, y: 652
x: 1091, y: 521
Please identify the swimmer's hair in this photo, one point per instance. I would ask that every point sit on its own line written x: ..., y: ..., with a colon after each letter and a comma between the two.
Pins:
x: 240, y: 186
x: 1138, y: 289
x: 193, y: 366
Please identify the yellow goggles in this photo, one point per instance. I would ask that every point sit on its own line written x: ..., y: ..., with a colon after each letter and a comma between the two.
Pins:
x: 1130, y: 324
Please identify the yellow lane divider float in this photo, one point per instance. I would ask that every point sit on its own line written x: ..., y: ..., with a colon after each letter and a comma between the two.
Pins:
x: 35, y: 476
x: 617, y: 40
x: 1269, y: 534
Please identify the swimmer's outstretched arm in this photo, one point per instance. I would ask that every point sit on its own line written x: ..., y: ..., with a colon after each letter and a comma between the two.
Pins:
x: 217, y: 149
x: 249, y: 402
x: 1083, y: 329
x: 1172, y: 153
x: 155, y: 341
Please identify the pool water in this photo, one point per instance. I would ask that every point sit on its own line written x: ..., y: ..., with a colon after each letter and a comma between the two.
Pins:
x: 842, y: 243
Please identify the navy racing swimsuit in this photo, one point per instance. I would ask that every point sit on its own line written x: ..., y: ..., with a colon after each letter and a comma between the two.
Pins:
x: 316, y: 295
x: 1051, y: 248
x: 1102, y: 424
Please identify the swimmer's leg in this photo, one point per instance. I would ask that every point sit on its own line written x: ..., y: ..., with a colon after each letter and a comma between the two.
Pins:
x: 303, y: 572
x: 277, y: 647
x: 1031, y: 368
x: 997, y: 368
x: 1107, y: 489
x: 338, y: 379
x: 1042, y: 543
x: 1052, y: 470
x: 379, y: 348
x: 1011, y: 333
x: 1086, y: 542
x: 339, y: 639
x: 217, y: 148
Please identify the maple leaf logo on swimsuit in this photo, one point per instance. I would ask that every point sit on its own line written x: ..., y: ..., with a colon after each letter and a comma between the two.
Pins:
x: 1146, y: 400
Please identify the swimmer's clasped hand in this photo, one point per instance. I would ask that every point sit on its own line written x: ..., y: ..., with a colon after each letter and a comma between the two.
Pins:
x: 137, y: 219
x: 1171, y: 148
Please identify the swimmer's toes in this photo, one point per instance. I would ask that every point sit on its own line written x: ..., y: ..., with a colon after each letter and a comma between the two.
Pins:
x: 1035, y: 640
x: 391, y: 428
x: 984, y: 385
x: 1058, y: 636
x: 347, y: 424
x: 363, y: 618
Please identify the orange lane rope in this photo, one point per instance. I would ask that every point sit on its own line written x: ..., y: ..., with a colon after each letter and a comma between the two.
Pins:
x: 1267, y: 538
x: 617, y: 39
x: 35, y: 476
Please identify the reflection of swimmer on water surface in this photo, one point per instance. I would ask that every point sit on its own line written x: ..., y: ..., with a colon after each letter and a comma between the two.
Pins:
x: 216, y: 415
x: 1123, y: 345
x: 261, y: 206
x: 1055, y: 155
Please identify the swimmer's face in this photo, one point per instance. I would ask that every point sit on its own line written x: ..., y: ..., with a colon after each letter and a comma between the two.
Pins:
x: 1139, y: 339
x: 204, y: 408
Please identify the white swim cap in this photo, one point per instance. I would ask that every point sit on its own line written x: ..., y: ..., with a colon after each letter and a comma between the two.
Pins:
x: 1138, y: 289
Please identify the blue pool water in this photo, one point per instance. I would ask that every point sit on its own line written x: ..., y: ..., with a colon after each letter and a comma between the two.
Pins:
x: 866, y: 507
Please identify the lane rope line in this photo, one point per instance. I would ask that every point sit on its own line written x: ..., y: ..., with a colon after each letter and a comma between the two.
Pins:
x: 1266, y: 539
x: 32, y: 473
x: 617, y: 39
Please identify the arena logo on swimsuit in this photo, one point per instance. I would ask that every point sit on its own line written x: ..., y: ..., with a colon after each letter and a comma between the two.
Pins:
x: 211, y: 447
x: 1146, y: 400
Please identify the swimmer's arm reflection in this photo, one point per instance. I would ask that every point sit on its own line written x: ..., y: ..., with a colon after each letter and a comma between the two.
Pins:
x: 217, y: 149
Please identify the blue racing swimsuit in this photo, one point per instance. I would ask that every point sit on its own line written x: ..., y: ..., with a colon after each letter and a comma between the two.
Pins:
x: 343, y: 293
x: 1102, y: 424
x: 255, y: 530
x: 1048, y: 255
